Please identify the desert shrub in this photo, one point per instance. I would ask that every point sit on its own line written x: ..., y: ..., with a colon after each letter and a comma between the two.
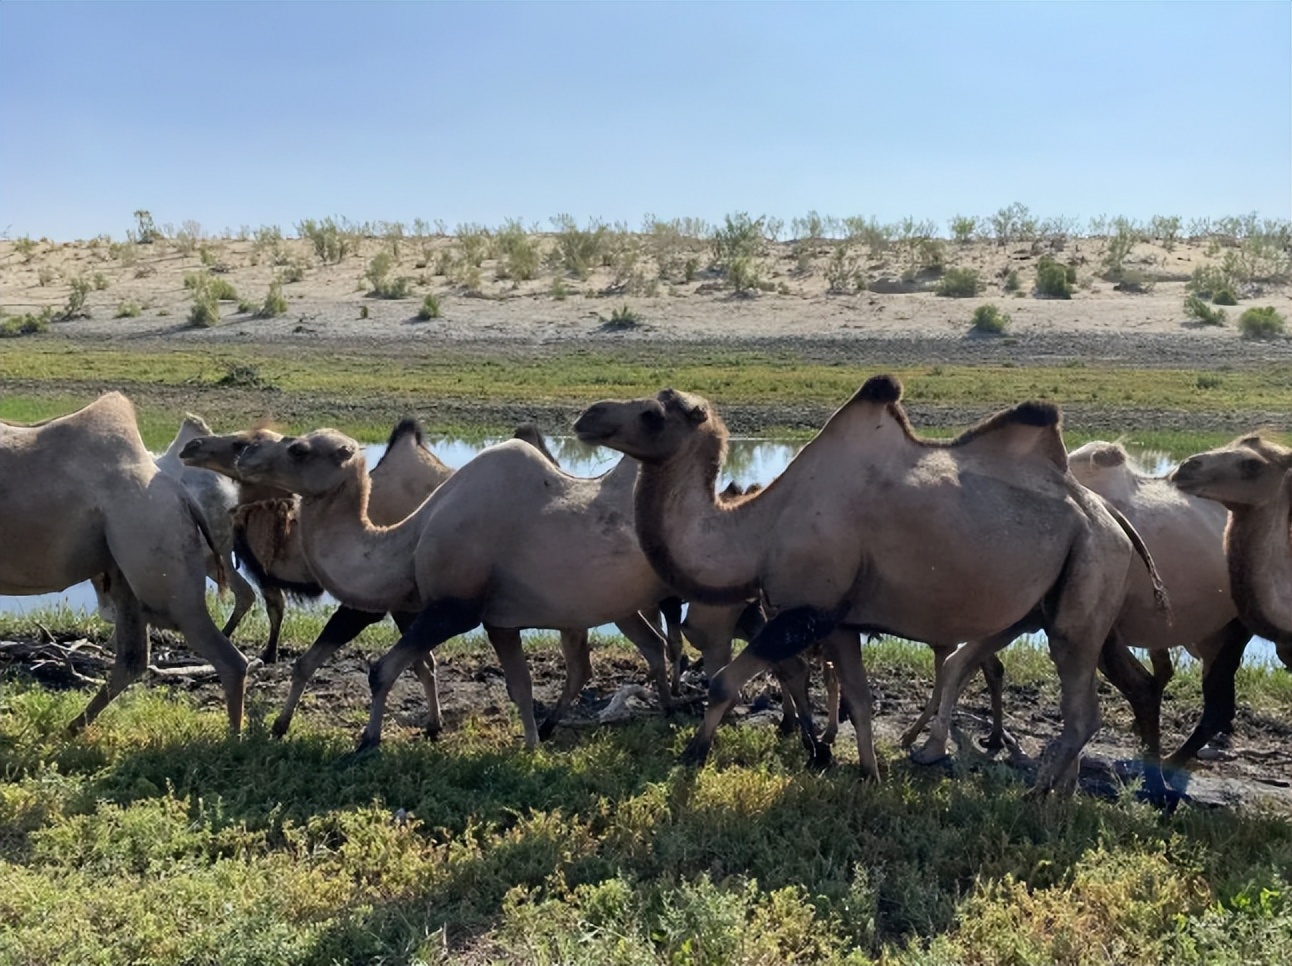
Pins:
x: 1135, y: 282
x: 331, y: 243
x: 990, y: 320
x: 745, y: 275
x: 145, y: 231
x: 963, y: 228
x: 960, y: 283
x: 363, y: 311
x: 621, y: 318
x: 1118, y: 248
x: 1165, y: 230
x: 392, y: 232
x: 128, y: 310
x: 1054, y: 280
x: 1197, y: 309
x: 275, y: 302
x: 205, y: 311
x: 268, y: 240
x: 293, y: 271
x: 474, y: 242
x: 559, y: 289
x: 1261, y: 323
x: 28, y: 324
x: 1013, y: 223
x: 74, y: 307
x: 187, y: 238
x: 518, y: 252
x: 222, y: 290
x: 383, y: 286
x: 578, y: 250
x: 25, y: 247
x: 99, y: 281
x: 1012, y: 283
x: 44, y: 275
x: 841, y: 271
x: 430, y: 308
x: 740, y: 237
x: 443, y: 262
x: 1214, y: 282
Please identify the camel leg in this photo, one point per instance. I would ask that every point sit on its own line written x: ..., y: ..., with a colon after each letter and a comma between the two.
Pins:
x: 652, y: 646
x: 515, y: 671
x: 830, y: 673
x: 244, y: 596
x: 435, y: 624
x: 578, y: 672
x: 1142, y: 689
x: 131, y: 649
x: 940, y: 655
x: 794, y: 676
x: 670, y: 609
x: 1222, y: 653
x: 275, y: 607
x: 956, y: 671
x: 786, y: 635
x: 425, y: 670
x: 993, y: 674
x: 844, y: 650
x: 342, y: 627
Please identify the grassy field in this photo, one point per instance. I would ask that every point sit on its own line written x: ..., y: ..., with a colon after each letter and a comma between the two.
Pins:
x: 156, y: 838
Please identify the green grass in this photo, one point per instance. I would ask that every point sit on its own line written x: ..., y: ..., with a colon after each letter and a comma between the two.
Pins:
x: 156, y: 838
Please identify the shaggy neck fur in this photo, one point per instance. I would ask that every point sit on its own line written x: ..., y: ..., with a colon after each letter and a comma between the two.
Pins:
x: 1258, y: 546
x: 675, y: 504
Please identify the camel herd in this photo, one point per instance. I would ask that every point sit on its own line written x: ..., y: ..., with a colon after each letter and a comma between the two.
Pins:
x: 870, y: 529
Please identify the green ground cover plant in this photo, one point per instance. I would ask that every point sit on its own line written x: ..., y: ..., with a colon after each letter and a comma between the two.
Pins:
x: 1262, y: 323
x: 989, y: 320
x: 960, y: 283
x: 156, y: 838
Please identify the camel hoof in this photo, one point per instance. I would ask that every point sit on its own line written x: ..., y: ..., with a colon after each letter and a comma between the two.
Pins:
x: 268, y: 656
x: 365, y: 748
x: 787, y: 727
x: 908, y: 737
x: 694, y: 754
x: 929, y: 756
x: 821, y: 758
x: 432, y: 731
x: 992, y: 742
x: 279, y: 729
x: 547, y: 729
x: 828, y: 736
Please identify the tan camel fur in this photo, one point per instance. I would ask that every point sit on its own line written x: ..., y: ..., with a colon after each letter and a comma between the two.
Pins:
x: 509, y: 541
x: 1252, y: 479
x: 1185, y: 536
x: 871, y: 529
x: 80, y: 496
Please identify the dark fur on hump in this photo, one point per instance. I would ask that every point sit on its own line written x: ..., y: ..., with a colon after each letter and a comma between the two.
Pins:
x: 409, y: 424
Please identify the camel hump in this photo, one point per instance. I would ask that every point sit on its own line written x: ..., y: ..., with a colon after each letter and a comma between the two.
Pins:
x: 882, y: 390
x: 1100, y: 454
x: 1028, y: 429
x: 407, y: 426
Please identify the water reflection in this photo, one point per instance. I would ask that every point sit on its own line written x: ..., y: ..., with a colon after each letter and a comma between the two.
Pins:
x: 749, y: 460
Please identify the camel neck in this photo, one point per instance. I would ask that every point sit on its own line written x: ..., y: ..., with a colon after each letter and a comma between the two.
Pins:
x: 1259, y: 548
x: 703, y: 549
x: 364, y: 566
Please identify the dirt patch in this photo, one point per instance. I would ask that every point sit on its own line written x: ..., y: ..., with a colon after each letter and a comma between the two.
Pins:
x: 1255, y: 768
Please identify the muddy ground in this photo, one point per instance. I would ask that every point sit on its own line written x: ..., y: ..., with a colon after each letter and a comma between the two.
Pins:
x: 1254, y: 769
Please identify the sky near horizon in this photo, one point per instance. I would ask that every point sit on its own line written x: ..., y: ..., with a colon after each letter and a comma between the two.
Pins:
x: 250, y: 114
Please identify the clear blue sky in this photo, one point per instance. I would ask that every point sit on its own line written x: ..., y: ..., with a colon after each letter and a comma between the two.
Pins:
x: 236, y: 114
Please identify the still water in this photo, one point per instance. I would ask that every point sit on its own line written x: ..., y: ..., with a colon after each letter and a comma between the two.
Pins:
x: 748, y: 461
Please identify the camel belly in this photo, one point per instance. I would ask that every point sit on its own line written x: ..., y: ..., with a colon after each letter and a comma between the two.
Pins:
x: 583, y: 596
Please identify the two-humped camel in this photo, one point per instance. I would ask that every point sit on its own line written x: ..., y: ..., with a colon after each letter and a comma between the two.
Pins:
x: 871, y: 529
x: 1184, y: 535
x: 1252, y: 479
x: 80, y: 496
x: 216, y: 496
x: 510, y: 541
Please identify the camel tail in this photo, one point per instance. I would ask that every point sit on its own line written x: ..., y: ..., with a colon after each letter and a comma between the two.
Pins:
x: 195, y: 512
x: 1160, y: 597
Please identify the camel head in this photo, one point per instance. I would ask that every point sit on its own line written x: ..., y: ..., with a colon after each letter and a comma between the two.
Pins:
x: 311, y: 465
x: 1247, y: 472
x: 220, y: 453
x: 652, y: 430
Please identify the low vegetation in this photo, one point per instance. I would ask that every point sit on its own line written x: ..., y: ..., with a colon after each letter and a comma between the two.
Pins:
x: 1198, y: 310
x: 1054, y: 280
x: 430, y: 308
x: 960, y: 283
x: 989, y: 320
x: 1262, y: 323
x: 156, y: 838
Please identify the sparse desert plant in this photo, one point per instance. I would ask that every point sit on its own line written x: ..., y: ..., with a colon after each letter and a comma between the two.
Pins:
x: 1013, y: 223
x: 518, y: 252
x: 443, y: 262
x: 1012, y: 283
x: 1054, y: 280
x: 745, y: 275
x: 811, y: 227
x: 275, y: 302
x: 989, y: 320
x: 205, y: 311
x: 1126, y: 234
x: 1198, y: 310
x: 331, y: 243
x: 28, y: 324
x: 246, y: 307
x: 74, y: 307
x: 1261, y: 323
x: 393, y: 235
x: 621, y: 318
x: 187, y: 237
x: 842, y: 270
x: 25, y: 247
x: 145, y: 231
x: 430, y: 308
x: 363, y: 311
x: 1165, y: 230
x: 963, y: 228
x: 99, y: 281
x: 960, y: 283
x: 740, y: 237
x: 1135, y: 282
x: 578, y: 250
x: 559, y: 289
x: 128, y: 310
x: 222, y: 290
x: 267, y: 241
x: 383, y: 286
x: 474, y: 242
x: 1214, y: 282
x: 45, y: 274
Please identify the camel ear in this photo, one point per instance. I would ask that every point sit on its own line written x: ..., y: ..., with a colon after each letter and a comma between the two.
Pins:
x: 298, y: 449
x: 1109, y: 456
x: 343, y: 454
x: 697, y: 413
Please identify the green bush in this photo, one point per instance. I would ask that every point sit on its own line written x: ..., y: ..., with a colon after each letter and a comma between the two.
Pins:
x: 1012, y: 283
x: 745, y: 274
x: 960, y: 283
x: 578, y: 250
x: 331, y: 244
x: 740, y: 237
x: 1054, y: 280
x: 430, y: 308
x: 383, y: 286
x: 963, y: 228
x: 74, y: 308
x: 275, y: 302
x: 1197, y: 309
x: 128, y: 310
x: 28, y: 324
x: 518, y: 253
x: 205, y: 311
x: 621, y: 318
x: 222, y: 290
x: 1262, y: 323
x: 1216, y: 283
x: 990, y: 320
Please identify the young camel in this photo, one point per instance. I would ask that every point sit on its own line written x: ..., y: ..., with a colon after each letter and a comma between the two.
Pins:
x: 871, y: 529
x: 1252, y: 479
x: 81, y: 497
x: 1184, y: 535
x: 509, y: 541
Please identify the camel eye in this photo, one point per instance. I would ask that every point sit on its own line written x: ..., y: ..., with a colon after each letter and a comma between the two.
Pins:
x: 652, y: 420
x: 1250, y: 468
x: 298, y: 450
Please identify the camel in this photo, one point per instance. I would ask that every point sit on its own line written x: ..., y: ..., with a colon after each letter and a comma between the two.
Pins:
x: 510, y: 542
x: 216, y: 497
x: 1184, y: 535
x: 871, y: 529
x: 1252, y: 478
x: 80, y: 496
